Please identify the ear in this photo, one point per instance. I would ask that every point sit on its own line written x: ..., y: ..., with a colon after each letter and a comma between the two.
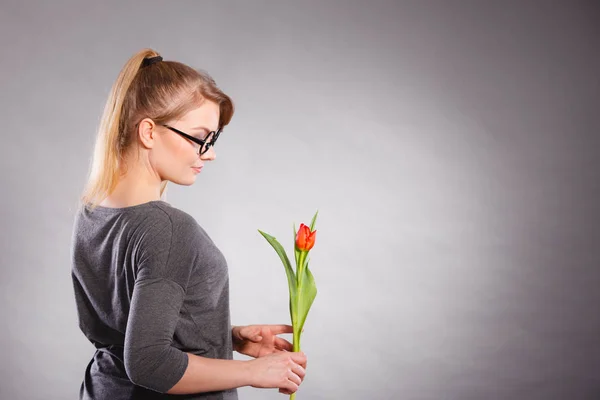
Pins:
x: 146, y: 132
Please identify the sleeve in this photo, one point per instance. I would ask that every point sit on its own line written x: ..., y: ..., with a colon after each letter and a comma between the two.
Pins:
x: 165, y: 260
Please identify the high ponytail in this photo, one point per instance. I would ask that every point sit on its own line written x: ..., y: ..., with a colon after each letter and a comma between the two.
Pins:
x: 161, y: 91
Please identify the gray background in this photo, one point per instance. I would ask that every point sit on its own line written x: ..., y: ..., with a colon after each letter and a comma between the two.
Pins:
x: 451, y: 148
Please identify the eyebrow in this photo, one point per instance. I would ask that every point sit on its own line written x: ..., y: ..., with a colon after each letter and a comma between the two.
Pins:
x: 201, y: 128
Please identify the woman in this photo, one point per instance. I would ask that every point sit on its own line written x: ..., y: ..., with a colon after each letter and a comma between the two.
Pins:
x: 151, y: 287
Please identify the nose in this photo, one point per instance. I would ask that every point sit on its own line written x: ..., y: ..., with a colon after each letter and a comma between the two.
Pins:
x: 210, y: 155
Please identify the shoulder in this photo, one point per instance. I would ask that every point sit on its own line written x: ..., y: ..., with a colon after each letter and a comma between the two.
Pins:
x: 162, y: 212
x: 166, y: 244
x: 162, y: 220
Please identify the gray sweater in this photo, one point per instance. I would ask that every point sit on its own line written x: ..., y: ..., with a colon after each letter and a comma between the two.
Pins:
x: 150, y: 285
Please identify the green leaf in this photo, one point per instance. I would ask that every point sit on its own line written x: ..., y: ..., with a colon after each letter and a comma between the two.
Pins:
x: 306, y: 296
x: 291, y: 276
x: 292, y: 313
x: 312, y: 223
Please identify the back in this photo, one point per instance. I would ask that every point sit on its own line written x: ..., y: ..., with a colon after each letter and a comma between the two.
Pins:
x: 150, y: 285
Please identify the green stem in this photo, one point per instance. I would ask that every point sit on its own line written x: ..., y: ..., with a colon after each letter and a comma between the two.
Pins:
x: 299, y: 275
x: 296, y: 348
x: 296, y: 343
x: 300, y: 268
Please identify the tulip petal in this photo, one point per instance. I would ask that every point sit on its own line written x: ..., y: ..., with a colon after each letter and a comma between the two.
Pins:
x: 310, y: 240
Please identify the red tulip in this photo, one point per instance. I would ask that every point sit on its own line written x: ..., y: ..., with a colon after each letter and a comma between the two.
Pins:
x: 305, y: 239
x: 301, y: 282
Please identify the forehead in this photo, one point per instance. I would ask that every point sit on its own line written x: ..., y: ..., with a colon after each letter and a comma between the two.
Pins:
x: 206, y: 115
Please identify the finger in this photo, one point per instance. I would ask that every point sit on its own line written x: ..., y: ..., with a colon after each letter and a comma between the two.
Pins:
x: 299, y: 370
x: 289, y: 386
x: 283, y: 344
x: 253, y: 335
x: 303, y: 364
x: 294, y: 378
x: 250, y: 332
x: 285, y: 391
x: 279, y: 329
x: 298, y: 357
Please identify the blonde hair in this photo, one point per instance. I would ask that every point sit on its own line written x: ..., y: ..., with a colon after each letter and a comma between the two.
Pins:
x: 161, y: 91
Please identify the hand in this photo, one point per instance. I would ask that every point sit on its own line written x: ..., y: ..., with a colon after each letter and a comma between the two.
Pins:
x: 260, y: 340
x: 281, y: 370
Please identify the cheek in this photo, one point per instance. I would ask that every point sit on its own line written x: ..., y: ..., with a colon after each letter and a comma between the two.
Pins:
x: 164, y: 157
x: 175, y: 156
x: 177, y: 152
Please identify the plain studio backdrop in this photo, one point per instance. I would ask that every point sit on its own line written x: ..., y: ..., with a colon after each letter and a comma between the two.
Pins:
x: 450, y: 147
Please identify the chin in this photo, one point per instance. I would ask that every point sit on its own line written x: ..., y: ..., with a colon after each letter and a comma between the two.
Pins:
x: 189, y: 181
x: 184, y: 181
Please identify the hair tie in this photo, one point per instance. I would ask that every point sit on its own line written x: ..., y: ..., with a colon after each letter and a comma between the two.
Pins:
x: 150, y: 61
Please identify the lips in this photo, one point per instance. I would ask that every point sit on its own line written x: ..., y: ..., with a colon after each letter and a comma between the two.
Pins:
x: 197, y: 169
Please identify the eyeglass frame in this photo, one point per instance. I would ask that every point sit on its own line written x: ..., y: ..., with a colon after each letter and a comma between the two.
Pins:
x: 194, y: 139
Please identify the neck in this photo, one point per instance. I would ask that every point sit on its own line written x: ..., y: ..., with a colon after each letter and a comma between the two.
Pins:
x: 140, y: 184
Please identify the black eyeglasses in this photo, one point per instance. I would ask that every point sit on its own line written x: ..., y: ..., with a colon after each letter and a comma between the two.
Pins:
x: 205, y: 144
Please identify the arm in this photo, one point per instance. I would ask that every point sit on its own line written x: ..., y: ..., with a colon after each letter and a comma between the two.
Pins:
x: 150, y: 359
x: 217, y: 374
x: 164, y: 263
x: 207, y: 374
